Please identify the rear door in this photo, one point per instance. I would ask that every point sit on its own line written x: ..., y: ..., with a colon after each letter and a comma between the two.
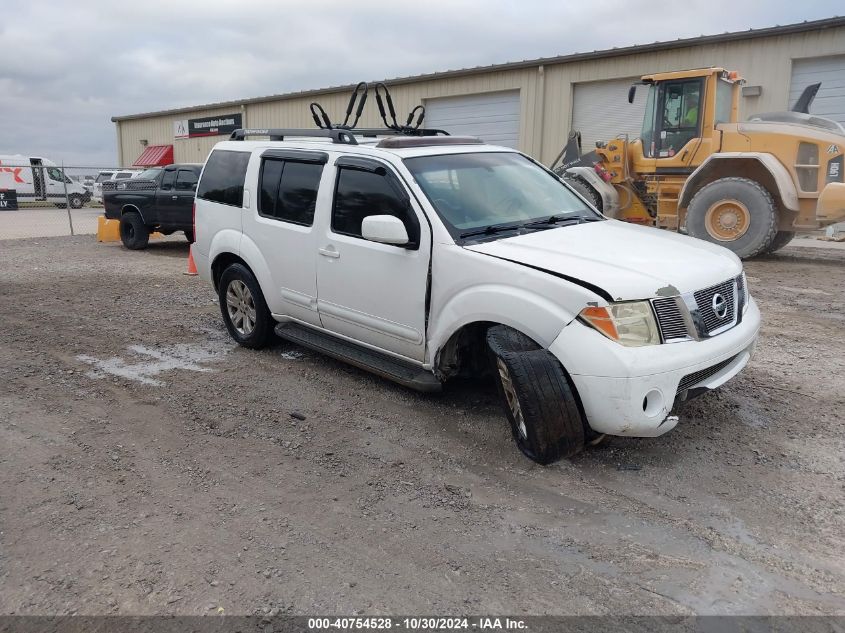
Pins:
x: 282, y: 228
x: 371, y: 292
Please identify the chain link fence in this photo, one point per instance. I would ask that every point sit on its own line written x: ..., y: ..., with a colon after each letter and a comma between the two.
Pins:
x: 40, y: 199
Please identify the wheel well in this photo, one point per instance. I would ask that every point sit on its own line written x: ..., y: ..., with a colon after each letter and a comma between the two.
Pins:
x: 131, y: 208
x: 221, y: 263
x: 750, y: 168
x: 466, y: 351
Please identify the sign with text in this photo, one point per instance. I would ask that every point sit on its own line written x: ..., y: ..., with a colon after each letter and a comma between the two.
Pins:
x: 8, y: 199
x: 223, y: 124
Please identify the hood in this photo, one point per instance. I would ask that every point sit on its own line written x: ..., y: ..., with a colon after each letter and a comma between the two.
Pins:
x: 627, y: 261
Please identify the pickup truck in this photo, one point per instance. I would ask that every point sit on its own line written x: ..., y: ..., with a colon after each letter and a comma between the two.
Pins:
x: 160, y: 199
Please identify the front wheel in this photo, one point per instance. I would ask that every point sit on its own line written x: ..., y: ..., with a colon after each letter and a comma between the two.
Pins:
x: 537, y: 397
x: 736, y: 213
x: 244, y: 310
x: 76, y: 201
x: 781, y: 239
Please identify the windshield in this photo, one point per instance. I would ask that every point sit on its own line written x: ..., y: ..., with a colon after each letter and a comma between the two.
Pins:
x: 150, y: 174
x: 103, y: 176
x: 491, y: 192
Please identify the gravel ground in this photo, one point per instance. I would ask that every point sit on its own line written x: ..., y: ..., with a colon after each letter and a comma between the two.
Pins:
x: 148, y: 466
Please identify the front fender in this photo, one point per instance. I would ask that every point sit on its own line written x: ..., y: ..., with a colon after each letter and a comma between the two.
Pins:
x: 723, y: 164
x: 533, y: 315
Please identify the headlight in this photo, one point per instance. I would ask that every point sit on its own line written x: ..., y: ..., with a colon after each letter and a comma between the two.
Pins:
x: 630, y: 323
x: 745, y: 293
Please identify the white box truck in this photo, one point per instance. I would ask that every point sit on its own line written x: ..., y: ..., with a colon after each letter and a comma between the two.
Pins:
x: 39, y: 179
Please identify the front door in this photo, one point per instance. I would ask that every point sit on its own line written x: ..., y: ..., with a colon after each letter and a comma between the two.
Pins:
x: 167, y: 199
x: 184, y: 189
x: 372, y: 292
x: 673, y: 122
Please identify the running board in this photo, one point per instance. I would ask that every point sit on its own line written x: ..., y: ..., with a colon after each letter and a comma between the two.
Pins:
x: 404, y: 373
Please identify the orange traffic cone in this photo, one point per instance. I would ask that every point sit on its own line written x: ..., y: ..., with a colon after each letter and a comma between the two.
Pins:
x: 192, y: 267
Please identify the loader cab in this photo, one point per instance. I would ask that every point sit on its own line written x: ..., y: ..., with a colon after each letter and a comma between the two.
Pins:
x: 682, y: 112
x: 673, y: 117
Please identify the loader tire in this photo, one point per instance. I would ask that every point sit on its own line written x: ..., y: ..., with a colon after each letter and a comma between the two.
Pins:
x: 538, y: 399
x: 736, y: 213
x: 585, y: 190
x: 781, y: 239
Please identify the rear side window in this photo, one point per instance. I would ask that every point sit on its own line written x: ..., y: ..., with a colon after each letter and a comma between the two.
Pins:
x: 363, y: 193
x: 223, y: 177
x: 289, y: 190
x: 186, y: 180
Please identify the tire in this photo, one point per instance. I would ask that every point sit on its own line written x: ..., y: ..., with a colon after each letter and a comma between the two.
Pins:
x: 781, y: 239
x: 538, y: 399
x: 133, y: 232
x: 189, y: 235
x: 76, y: 201
x: 736, y: 213
x: 585, y: 190
x: 240, y: 295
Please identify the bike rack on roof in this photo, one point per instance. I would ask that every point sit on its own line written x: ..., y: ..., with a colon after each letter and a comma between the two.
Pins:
x: 344, y: 133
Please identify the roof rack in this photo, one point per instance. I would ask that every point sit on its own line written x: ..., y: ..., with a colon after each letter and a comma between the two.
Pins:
x: 338, y: 136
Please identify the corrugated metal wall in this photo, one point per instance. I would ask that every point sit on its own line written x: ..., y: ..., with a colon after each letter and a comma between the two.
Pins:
x: 545, y: 92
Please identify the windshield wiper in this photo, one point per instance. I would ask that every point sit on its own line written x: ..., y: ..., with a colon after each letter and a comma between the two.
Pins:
x: 556, y: 219
x: 491, y: 230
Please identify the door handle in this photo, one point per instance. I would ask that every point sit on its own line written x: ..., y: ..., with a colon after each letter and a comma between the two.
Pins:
x: 329, y: 251
x: 174, y: 197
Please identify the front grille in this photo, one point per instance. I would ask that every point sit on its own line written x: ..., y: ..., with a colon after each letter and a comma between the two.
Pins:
x: 711, y: 321
x: 670, y: 319
x: 690, y: 380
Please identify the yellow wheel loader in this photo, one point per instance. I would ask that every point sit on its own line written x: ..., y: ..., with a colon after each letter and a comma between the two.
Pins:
x: 746, y: 185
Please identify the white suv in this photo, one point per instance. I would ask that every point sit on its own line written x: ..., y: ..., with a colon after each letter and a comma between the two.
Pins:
x: 421, y: 257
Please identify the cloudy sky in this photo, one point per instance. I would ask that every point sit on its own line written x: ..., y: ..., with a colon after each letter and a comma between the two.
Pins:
x: 67, y: 67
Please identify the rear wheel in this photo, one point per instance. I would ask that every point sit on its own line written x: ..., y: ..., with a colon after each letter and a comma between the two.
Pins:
x: 133, y: 233
x: 781, y: 239
x: 244, y: 310
x: 537, y: 397
x: 189, y: 235
x: 736, y: 213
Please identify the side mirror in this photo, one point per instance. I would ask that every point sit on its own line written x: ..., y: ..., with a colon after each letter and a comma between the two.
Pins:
x: 385, y: 229
x: 632, y: 91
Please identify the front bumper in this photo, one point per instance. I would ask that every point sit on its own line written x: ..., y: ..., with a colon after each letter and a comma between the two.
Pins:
x: 631, y: 390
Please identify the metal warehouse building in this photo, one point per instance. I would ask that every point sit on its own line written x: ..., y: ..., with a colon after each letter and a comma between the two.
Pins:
x: 530, y: 105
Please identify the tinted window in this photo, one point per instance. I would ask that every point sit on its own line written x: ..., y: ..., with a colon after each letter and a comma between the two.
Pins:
x: 289, y: 190
x: 167, y: 179
x: 223, y: 177
x: 363, y: 193
x: 186, y: 180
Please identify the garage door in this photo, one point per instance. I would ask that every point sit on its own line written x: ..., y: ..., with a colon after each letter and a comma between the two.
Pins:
x: 830, y: 71
x: 493, y: 117
x: 600, y: 111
